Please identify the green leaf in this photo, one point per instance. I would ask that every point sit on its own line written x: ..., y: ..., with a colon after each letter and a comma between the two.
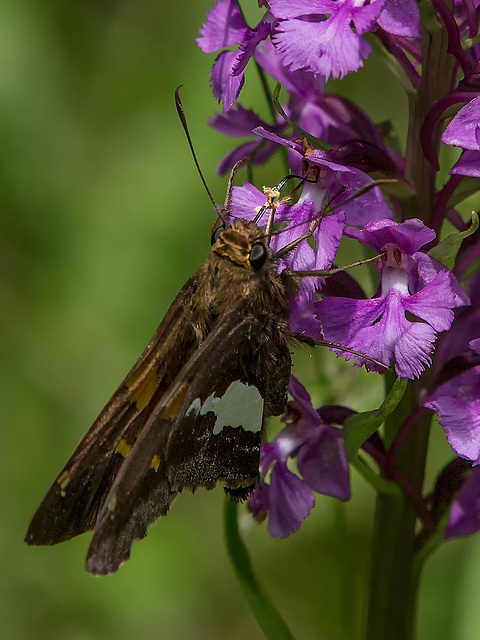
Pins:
x: 361, y: 426
x: 377, y: 482
x: 267, y: 616
x: 446, y: 251
x: 311, y: 139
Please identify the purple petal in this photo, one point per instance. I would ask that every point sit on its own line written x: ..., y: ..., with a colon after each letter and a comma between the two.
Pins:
x: 390, y: 338
x: 225, y: 86
x: 261, y: 155
x: 413, y: 349
x: 247, y: 48
x: 236, y: 122
x: 327, y: 239
x: 475, y: 345
x: 246, y: 202
x: 365, y: 208
x: 224, y: 26
x: 302, y: 402
x: 342, y: 318
x: 258, y: 502
x: 301, y: 83
x: 273, y: 137
x: 284, y: 446
x: 364, y: 17
x: 286, y: 9
x: 344, y: 120
x: 457, y: 403
x: 344, y: 183
x: 303, y: 256
x: 329, y: 48
x: 408, y: 236
x: 401, y: 18
x: 464, y: 130
x: 465, y: 511
x: 467, y: 165
x: 428, y: 268
x: 434, y: 302
x: 290, y: 502
x: 303, y: 318
x: 229, y: 160
x: 323, y: 463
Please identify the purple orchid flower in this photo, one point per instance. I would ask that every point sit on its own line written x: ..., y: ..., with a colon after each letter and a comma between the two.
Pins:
x: 333, y: 31
x: 333, y: 49
x: 225, y: 27
x: 411, y: 282
x: 321, y: 460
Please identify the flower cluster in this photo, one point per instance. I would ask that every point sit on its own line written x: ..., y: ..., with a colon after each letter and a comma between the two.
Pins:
x: 420, y: 322
x: 321, y: 460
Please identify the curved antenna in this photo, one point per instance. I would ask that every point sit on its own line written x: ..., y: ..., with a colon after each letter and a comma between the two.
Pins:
x: 228, y: 197
x: 183, y: 120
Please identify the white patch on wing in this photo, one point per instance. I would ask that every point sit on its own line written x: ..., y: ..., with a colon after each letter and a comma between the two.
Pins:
x: 240, y: 406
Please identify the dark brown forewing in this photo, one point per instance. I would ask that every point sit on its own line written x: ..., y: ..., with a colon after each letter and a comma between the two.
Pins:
x: 71, y: 505
x: 177, y: 446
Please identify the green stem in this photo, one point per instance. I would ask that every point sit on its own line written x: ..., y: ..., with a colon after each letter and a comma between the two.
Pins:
x: 394, y: 579
x: 267, y: 616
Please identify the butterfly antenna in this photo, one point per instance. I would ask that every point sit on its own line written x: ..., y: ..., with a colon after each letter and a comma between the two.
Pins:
x: 183, y: 120
x: 228, y: 197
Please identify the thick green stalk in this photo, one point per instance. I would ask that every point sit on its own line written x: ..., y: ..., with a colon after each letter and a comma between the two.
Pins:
x: 393, y: 587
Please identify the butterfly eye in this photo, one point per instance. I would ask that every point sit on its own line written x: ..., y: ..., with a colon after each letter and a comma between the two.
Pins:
x: 258, y: 255
x: 217, y: 233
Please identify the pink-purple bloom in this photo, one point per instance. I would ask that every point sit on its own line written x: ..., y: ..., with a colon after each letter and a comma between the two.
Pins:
x: 411, y: 282
x: 322, y: 38
x: 321, y: 461
x: 225, y: 27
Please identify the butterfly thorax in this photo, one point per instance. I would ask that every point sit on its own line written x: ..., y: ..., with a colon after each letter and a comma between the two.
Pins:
x: 229, y: 282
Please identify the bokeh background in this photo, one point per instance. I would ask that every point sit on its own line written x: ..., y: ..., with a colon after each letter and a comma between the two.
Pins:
x: 103, y: 218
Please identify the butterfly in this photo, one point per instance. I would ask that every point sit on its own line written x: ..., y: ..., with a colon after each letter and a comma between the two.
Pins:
x: 192, y: 411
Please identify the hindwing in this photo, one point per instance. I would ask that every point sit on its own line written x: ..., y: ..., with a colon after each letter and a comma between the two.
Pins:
x: 206, y: 429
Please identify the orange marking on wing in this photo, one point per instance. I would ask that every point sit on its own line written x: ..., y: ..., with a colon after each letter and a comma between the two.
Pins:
x: 143, y: 389
x: 123, y: 448
x: 171, y: 411
x: 134, y: 379
x: 155, y: 463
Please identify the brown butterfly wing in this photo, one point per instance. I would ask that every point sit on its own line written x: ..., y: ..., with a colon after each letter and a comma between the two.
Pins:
x: 72, y: 503
x: 194, y: 437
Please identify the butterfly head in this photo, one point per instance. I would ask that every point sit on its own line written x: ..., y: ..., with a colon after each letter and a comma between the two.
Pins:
x: 243, y: 243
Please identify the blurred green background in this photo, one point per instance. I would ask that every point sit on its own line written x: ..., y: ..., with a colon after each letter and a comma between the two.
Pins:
x: 103, y: 218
